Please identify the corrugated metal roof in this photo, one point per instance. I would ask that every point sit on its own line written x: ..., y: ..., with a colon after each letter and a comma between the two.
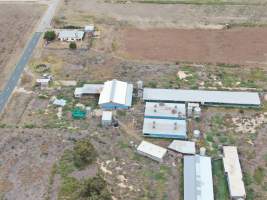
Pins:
x: 185, y: 147
x: 161, y: 127
x: 189, y: 178
x: 202, y: 96
x: 116, y: 92
x: 165, y: 110
x: 198, y: 183
x: 60, y: 102
x: 152, y: 149
x: 106, y: 116
x: 63, y: 34
x: 89, y: 89
x: 43, y: 80
x: 233, y: 169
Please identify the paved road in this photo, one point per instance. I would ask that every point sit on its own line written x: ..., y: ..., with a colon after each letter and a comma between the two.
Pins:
x: 27, y: 53
x: 12, y: 82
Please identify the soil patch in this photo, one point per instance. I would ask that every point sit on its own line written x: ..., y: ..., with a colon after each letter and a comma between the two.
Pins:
x: 245, y: 46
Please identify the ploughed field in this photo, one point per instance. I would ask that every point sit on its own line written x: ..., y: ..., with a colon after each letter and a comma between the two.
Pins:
x: 17, y: 22
x: 244, y: 46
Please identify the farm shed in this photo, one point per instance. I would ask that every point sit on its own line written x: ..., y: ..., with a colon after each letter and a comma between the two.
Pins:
x: 164, y: 128
x: 59, y: 102
x: 88, y: 89
x: 43, y: 82
x: 70, y: 35
x: 205, y: 97
x: 198, y: 183
x: 116, y: 95
x: 162, y: 110
x: 152, y: 151
x: 233, y: 172
x: 184, y: 147
x: 106, y: 118
x: 89, y: 28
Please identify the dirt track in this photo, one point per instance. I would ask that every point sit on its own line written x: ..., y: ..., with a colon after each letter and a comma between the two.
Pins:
x: 16, y: 24
x: 236, y: 46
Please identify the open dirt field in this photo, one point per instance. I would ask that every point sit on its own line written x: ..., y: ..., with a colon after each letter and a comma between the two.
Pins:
x: 245, y: 46
x: 79, y: 12
x: 16, y: 24
x: 27, y: 157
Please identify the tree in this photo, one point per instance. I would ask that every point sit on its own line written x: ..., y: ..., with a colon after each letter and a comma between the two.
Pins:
x: 73, y: 45
x: 84, y: 153
x: 50, y: 35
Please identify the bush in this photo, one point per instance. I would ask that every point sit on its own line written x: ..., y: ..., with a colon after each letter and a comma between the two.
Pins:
x: 259, y: 175
x: 50, y: 35
x: 73, y: 45
x: 84, y: 153
x: 95, y: 188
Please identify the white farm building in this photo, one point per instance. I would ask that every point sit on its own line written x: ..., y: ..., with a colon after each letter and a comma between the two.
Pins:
x: 233, y: 172
x: 204, y: 97
x: 116, y: 95
x: 152, y: 151
x: 70, y: 35
x: 198, y: 183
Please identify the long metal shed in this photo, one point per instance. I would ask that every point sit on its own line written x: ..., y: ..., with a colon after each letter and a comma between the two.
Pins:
x: 162, y: 110
x: 198, y: 183
x: 233, y: 172
x: 205, y: 97
x: 165, y: 128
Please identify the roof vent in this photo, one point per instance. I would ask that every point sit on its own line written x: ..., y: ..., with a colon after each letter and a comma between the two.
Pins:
x: 154, y: 124
x: 175, y: 125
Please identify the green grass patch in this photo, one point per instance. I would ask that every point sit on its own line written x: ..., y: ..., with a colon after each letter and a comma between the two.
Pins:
x: 259, y: 175
x: 219, y: 180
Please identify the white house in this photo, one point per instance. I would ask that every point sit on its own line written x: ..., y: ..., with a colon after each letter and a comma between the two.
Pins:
x: 70, y: 35
x: 116, y: 95
x: 43, y: 82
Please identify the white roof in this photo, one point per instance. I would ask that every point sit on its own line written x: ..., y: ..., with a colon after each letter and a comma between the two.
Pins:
x: 165, y: 127
x: 70, y: 34
x: 106, y: 116
x: 202, y: 96
x: 89, y: 27
x: 233, y: 169
x: 184, y: 147
x: 89, y: 89
x: 116, y: 92
x: 43, y: 80
x: 165, y: 110
x: 59, y: 102
x: 152, y: 149
x: 198, y: 183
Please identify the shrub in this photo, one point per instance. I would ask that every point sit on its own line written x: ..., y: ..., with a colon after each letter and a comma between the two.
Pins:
x: 259, y: 175
x: 50, y: 35
x: 95, y: 188
x: 84, y: 153
x: 73, y: 45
